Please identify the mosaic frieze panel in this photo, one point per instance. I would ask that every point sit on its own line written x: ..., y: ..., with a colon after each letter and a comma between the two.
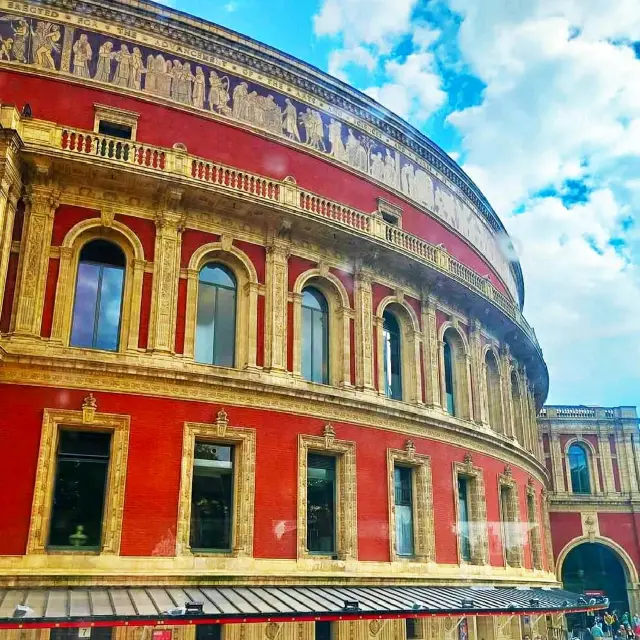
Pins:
x: 137, y: 67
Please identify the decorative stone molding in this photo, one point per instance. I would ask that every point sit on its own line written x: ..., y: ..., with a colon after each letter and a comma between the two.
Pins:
x: 512, y: 539
x: 363, y: 298
x: 535, y: 538
x: 86, y: 420
x: 276, y: 303
x: 346, y: 509
x: 244, y: 442
x: 422, y: 492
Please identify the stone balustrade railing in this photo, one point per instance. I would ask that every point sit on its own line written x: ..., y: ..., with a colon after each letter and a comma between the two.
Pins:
x: 583, y: 412
x: 49, y: 138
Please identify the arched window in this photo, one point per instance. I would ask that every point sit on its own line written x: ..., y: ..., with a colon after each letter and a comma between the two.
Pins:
x: 216, y: 317
x: 448, y: 378
x: 391, y: 353
x: 579, y: 469
x: 97, y: 309
x: 516, y: 401
x: 315, y: 336
x: 494, y: 396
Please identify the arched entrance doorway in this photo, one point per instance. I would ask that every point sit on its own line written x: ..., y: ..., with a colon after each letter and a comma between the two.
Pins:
x: 594, y: 567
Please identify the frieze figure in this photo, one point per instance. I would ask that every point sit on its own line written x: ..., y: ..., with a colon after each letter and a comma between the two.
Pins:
x: 137, y: 69
x: 336, y: 146
x: 105, y: 56
x: 314, y: 127
x: 18, y: 44
x: 5, y: 48
x: 390, y: 173
x: 272, y: 115
x: 82, y: 54
x: 290, y: 121
x: 407, y: 179
x: 122, y: 75
x: 240, y: 95
x: 357, y: 156
x: 219, y: 93
x: 44, y: 40
x: 176, y: 75
x: 199, y: 89
x: 377, y: 166
x: 185, y: 84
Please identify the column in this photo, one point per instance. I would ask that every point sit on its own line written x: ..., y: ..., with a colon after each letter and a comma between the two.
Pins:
x: 556, y: 464
x: 363, y: 301
x: 276, y: 305
x: 546, y: 525
x: 477, y: 373
x: 10, y: 188
x: 623, y: 467
x: 430, y: 352
x: 507, y: 404
x: 166, y: 272
x: 630, y: 460
x: 42, y: 200
x: 604, y: 448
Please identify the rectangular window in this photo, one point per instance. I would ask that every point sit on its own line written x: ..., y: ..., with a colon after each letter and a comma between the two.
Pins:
x: 403, y: 481
x: 323, y: 631
x: 463, y: 518
x: 321, y: 498
x: 412, y: 626
x: 209, y: 632
x: 115, y: 129
x: 82, y: 465
x: 505, y: 512
x: 212, y: 497
x: 97, y: 633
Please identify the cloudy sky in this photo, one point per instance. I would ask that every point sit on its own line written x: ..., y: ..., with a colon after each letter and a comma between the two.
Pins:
x: 539, y: 101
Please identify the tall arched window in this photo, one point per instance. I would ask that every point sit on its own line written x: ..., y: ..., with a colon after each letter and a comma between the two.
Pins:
x: 516, y: 401
x: 391, y: 353
x: 494, y: 395
x: 216, y: 317
x: 448, y: 377
x: 315, y: 336
x: 97, y: 308
x: 579, y: 469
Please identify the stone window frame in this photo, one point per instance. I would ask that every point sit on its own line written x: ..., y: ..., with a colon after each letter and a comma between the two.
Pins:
x: 514, y: 556
x: 492, y: 383
x: 88, y: 419
x: 478, y: 528
x: 592, y: 457
x: 535, y: 538
x: 420, y: 628
x: 339, y: 313
x: 461, y: 362
x: 422, y: 494
x: 242, y: 522
x: 103, y: 228
x: 247, y: 289
x: 410, y: 346
x: 346, y: 528
x: 117, y: 116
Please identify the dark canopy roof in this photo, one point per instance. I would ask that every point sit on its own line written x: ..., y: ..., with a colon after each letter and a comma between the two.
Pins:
x: 115, y: 606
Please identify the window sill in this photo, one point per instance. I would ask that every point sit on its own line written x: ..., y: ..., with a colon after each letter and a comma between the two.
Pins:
x: 87, y: 551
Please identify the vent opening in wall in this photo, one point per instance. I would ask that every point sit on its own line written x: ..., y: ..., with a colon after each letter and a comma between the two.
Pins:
x: 115, y: 130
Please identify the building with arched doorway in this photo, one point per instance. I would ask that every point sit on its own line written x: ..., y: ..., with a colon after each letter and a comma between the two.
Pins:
x: 593, y: 458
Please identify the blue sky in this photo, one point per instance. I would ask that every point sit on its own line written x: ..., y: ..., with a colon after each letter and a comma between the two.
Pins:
x: 539, y: 101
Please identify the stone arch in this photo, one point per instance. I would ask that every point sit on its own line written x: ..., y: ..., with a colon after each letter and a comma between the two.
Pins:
x: 411, y: 340
x: 592, y: 458
x: 340, y: 314
x: 75, y: 239
x: 460, y: 360
x: 246, y: 277
x: 492, y: 383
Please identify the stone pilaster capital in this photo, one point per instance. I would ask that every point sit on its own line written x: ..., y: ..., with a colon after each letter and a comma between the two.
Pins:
x: 42, y: 199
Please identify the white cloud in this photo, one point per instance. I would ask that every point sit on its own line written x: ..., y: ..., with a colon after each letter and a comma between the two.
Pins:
x: 562, y: 101
x: 414, y: 89
x: 339, y: 59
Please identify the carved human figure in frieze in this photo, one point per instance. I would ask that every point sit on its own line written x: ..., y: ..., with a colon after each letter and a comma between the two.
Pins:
x: 164, y: 77
x: 199, y: 89
x: 407, y: 178
x: 336, y: 145
x: 290, y: 121
x: 185, y: 84
x: 176, y: 74
x: 357, y: 155
x: 390, y: 172
x: 105, y: 56
x: 137, y: 69
x: 423, y: 188
x: 254, y: 111
x: 314, y: 127
x: 219, y: 93
x: 18, y: 44
x: 240, y: 96
x: 82, y: 54
x: 377, y: 166
x: 5, y: 48
x: 44, y: 40
x: 122, y: 75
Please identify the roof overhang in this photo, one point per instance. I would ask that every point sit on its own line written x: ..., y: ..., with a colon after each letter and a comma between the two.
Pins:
x: 152, y: 606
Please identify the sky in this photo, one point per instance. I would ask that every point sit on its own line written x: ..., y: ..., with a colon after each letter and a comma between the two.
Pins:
x: 539, y: 102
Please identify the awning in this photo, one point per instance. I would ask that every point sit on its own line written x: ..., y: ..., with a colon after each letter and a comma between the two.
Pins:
x: 138, y: 606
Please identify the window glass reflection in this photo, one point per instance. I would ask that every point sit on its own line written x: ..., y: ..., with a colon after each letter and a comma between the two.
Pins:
x: 216, y: 316
x: 98, y: 301
x: 463, y: 518
x: 391, y: 356
x: 448, y: 378
x: 315, y: 336
x: 321, y: 497
x: 403, y: 491
x: 578, y: 464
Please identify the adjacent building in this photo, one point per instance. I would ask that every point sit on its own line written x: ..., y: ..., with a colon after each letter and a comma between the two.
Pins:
x: 264, y: 370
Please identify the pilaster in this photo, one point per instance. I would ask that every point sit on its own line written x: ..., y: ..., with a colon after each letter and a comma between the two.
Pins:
x: 276, y: 304
x: 631, y: 466
x: 164, y: 298
x: 10, y: 188
x: 505, y: 386
x: 604, y: 450
x: 623, y: 465
x: 42, y: 200
x: 478, y: 374
x: 430, y: 352
x: 556, y: 464
x: 363, y: 300
x: 546, y: 525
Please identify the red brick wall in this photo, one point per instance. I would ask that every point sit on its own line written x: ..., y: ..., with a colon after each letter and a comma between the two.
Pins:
x: 154, y: 469
x: 564, y: 528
